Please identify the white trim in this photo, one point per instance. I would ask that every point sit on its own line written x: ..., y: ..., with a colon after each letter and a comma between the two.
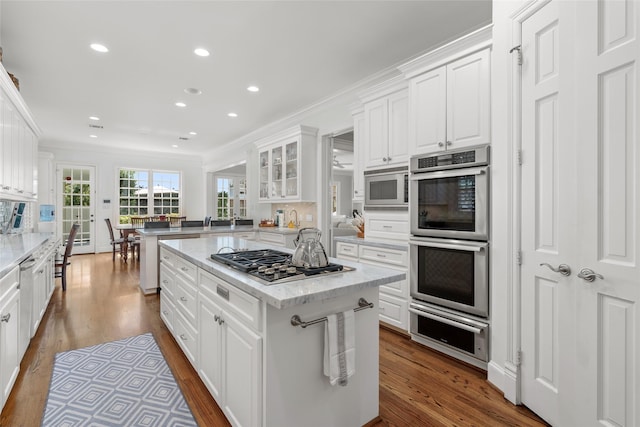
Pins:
x: 285, y: 134
x: 458, y: 48
x: 385, y: 88
x: 16, y: 99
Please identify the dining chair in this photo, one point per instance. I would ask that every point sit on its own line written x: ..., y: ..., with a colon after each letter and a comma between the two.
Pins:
x: 156, y: 224
x: 113, y: 240
x: 60, y: 269
x: 192, y: 224
x: 175, y: 221
x: 138, y: 221
x: 220, y: 222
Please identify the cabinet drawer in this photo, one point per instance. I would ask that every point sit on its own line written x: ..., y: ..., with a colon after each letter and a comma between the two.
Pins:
x: 347, y: 250
x: 389, y: 226
x: 399, y: 288
x: 186, y: 298
x: 389, y: 257
x: 167, y: 281
x: 187, y: 269
x: 167, y: 310
x: 167, y: 258
x: 394, y: 311
x: 187, y: 337
x: 244, y: 307
x: 9, y: 281
x: 247, y: 235
x: 275, y: 238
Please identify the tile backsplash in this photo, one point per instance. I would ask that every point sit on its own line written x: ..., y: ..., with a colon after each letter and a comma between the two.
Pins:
x: 303, y: 210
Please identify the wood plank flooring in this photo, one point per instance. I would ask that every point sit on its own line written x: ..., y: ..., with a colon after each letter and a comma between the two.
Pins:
x: 418, y: 386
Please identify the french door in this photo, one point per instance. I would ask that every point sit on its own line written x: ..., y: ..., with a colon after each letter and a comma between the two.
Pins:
x: 76, y: 190
x: 580, y: 241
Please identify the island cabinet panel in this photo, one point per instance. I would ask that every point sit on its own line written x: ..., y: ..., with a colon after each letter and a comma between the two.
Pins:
x: 231, y: 349
x: 9, y: 333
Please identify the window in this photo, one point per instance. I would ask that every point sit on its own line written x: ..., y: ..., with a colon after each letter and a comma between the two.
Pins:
x: 231, y: 197
x: 134, y: 198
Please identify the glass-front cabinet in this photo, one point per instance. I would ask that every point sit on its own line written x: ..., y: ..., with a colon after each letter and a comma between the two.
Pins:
x: 280, y: 164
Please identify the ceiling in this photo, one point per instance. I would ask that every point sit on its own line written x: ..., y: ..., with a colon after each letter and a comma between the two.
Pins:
x: 296, y: 52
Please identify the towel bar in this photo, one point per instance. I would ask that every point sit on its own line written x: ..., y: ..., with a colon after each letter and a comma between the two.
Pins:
x: 296, y: 321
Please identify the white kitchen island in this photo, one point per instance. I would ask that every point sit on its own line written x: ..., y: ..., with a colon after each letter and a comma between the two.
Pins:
x: 237, y: 333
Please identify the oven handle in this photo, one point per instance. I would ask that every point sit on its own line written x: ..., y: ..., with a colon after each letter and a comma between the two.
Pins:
x: 432, y: 244
x: 446, y: 321
x: 419, y: 176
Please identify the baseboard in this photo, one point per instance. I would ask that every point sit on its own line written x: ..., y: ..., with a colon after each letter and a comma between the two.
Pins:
x: 505, y: 379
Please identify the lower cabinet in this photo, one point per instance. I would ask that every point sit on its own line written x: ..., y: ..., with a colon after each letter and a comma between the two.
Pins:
x: 393, y: 307
x: 230, y: 352
x: 9, y: 333
x: 279, y: 239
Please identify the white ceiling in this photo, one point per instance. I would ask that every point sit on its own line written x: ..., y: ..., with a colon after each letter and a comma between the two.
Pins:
x: 297, y: 52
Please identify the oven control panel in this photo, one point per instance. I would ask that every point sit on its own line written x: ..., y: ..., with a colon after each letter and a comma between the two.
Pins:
x: 476, y: 156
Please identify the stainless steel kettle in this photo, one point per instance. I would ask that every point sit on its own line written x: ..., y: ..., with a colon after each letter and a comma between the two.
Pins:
x: 309, y: 251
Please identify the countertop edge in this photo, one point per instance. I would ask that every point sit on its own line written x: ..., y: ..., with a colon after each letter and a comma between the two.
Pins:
x: 361, y: 241
x: 7, y: 266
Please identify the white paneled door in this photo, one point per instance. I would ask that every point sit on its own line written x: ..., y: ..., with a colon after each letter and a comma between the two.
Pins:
x: 76, y: 187
x: 580, y: 340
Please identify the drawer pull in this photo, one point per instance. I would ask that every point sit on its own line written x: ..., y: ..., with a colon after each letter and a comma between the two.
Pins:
x: 165, y: 281
x: 381, y: 255
x: 165, y: 312
x: 182, y: 337
x: 387, y: 226
x: 184, y: 269
x: 183, y: 299
x: 5, y: 318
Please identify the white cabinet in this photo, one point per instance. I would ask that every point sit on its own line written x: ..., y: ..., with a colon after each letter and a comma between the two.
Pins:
x: 18, y: 144
x: 358, y: 156
x: 393, y: 308
x: 283, y: 159
x: 384, y: 225
x: 231, y: 349
x: 9, y: 333
x: 45, y: 179
x: 385, y: 130
x: 279, y: 239
x: 450, y: 105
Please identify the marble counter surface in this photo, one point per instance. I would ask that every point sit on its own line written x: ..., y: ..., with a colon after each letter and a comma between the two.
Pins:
x: 279, y: 230
x: 195, y: 230
x: 15, y: 248
x: 283, y: 295
x: 361, y: 241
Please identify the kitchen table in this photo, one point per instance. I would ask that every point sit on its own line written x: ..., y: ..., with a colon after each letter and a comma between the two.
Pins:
x: 126, y: 230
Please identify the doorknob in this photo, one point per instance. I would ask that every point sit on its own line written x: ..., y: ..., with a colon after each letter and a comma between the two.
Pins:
x: 563, y: 269
x: 589, y: 275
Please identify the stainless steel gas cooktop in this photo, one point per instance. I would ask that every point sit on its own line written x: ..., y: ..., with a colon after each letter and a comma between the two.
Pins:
x: 272, y: 267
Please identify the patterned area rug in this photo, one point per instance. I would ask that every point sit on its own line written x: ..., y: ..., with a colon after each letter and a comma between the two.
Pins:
x: 119, y: 383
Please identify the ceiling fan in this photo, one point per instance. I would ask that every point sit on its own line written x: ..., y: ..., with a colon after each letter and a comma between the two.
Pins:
x: 338, y: 164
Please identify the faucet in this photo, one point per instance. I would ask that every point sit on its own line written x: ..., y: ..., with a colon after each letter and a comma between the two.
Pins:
x: 291, y: 212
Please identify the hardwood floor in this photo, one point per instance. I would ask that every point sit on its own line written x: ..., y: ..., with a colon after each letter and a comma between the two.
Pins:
x: 418, y: 387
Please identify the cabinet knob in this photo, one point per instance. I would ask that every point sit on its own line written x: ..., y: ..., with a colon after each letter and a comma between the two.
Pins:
x: 449, y: 142
x: 182, y: 337
x: 384, y: 159
x: 5, y: 318
x: 183, y: 299
x: 388, y: 159
x: 440, y: 144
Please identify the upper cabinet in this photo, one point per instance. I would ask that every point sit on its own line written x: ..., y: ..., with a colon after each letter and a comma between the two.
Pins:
x: 287, y: 165
x: 358, y: 155
x: 449, y: 95
x: 385, y: 125
x: 18, y: 144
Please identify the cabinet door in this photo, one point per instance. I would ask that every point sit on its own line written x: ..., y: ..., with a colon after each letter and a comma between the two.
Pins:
x: 427, y: 123
x: 376, y: 123
x: 210, y: 336
x: 277, y: 170
x: 7, y: 146
x: 242, y: 374
x: 9, y: 348
x: 291, y: 171
x: 17, y: 153
x: 358, y: 156
x: 264, y: 175
x: 468, y: 103
x: 398, y: 105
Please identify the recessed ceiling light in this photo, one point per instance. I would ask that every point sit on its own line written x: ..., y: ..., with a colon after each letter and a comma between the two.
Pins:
x: 181, y: 104
x: 93, y: 136
x: 94, y: 118
x: 99, y: 47
x: 193, y: 133
x: 192, y: 91
x: 201, y: 52
x: 232, y: 115
x: 253, y: 89
x: 174, y: 146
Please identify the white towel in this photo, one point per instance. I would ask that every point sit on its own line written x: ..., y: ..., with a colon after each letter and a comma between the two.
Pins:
x: 339, y: 347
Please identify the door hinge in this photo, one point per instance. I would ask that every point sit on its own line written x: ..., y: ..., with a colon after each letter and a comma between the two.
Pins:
x: 519, y: 258
x: 519, y: 49
x: 518, y: 360
x: 519, y: 157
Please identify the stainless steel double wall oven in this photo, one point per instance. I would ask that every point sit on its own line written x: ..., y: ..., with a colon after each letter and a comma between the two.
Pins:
x: 449, y: 251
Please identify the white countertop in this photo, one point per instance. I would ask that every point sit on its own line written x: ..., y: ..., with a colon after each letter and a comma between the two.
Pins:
x: 15, y: 248
x: 194, y: 230
x: 288, y: 294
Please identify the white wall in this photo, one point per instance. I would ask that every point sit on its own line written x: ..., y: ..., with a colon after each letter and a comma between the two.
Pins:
x: 107, y: 164
x: 345, y: 180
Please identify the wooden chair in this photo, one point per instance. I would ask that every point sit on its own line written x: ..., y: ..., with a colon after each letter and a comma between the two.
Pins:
x: 60, y: 269
x: 138, y: 221
x: 114, y: 242
x: 175, y: 221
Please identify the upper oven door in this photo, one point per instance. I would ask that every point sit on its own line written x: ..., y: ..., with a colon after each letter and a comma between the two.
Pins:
x: 386, y: 189
x: 451, y: 203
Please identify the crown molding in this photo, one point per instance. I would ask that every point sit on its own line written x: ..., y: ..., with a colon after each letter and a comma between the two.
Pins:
x: 18, y: 101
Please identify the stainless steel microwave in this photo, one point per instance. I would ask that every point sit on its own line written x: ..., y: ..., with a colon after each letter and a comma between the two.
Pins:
x: 386, y: 188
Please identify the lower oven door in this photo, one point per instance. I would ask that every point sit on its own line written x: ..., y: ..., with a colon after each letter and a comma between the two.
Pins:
x: 455, y: 334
